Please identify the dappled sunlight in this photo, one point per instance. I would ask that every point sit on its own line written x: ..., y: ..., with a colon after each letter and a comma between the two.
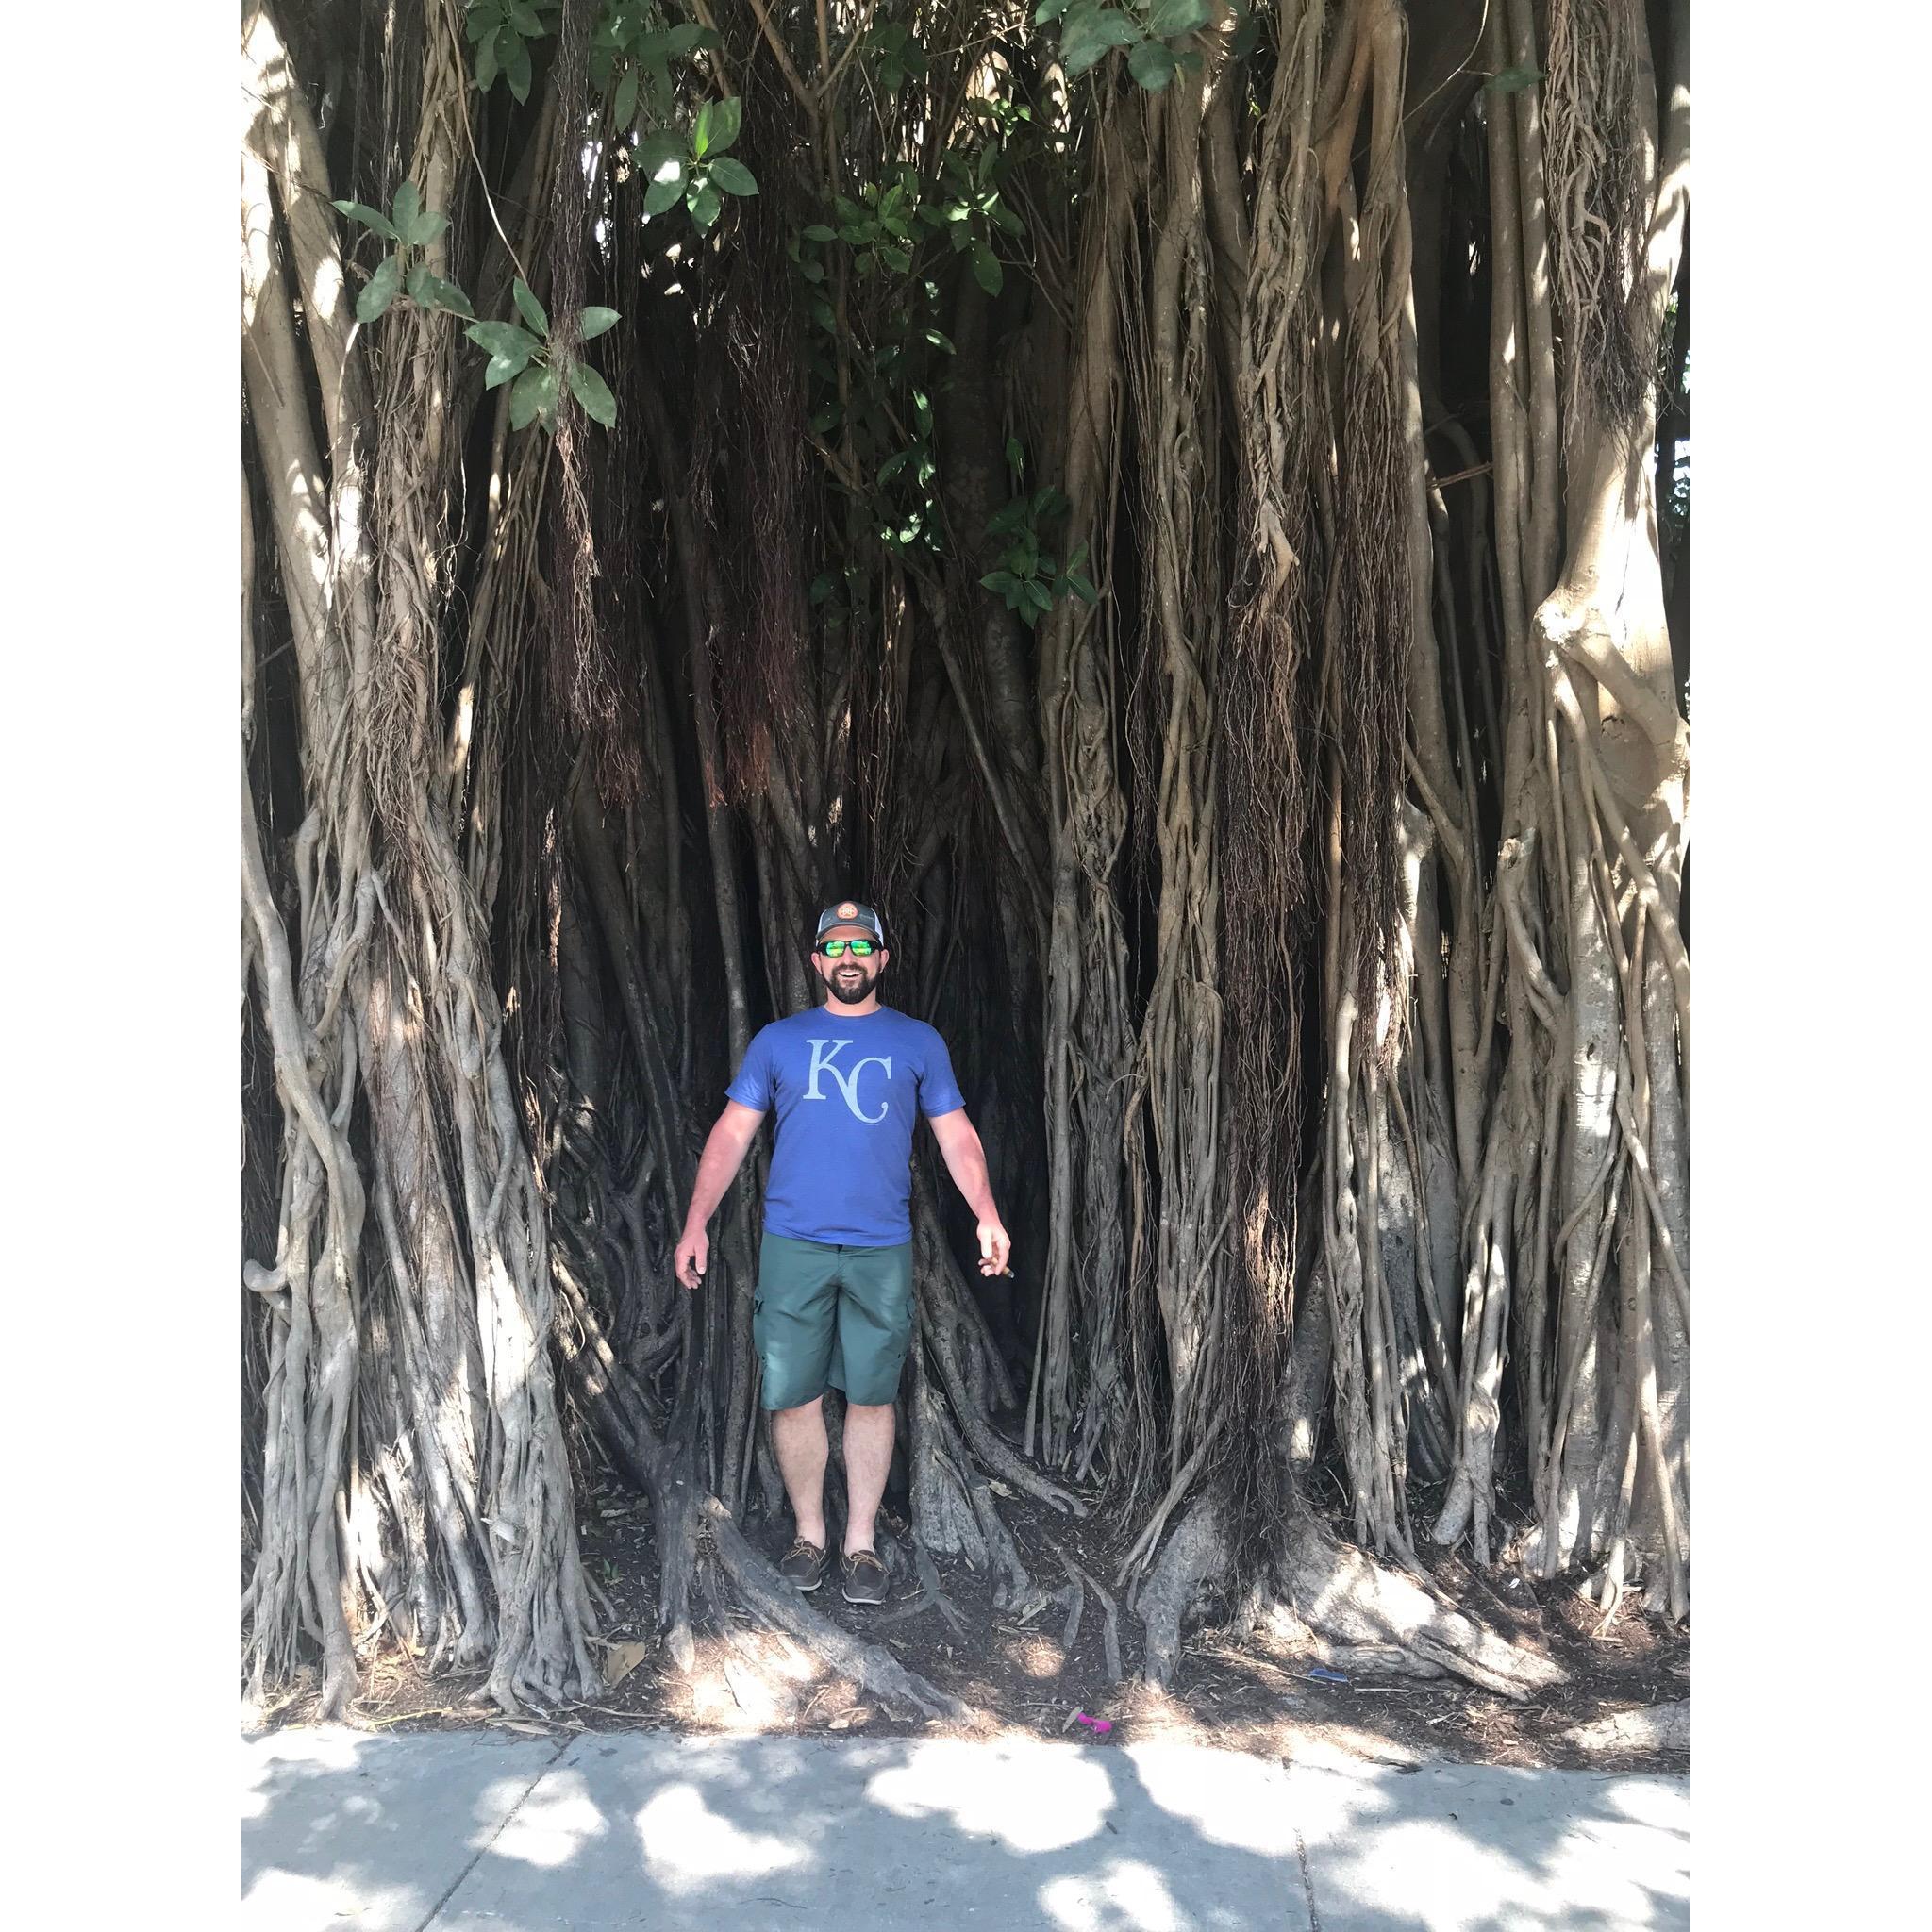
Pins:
x: 553, y: 1824
x: 1126, y: 1895
x: 1467, y: 1849
x: 473, y: 1832
x: 1031, y: 1795
x: 687, y: 1844
x: 1212, y: 1789
x: 292, y: 1898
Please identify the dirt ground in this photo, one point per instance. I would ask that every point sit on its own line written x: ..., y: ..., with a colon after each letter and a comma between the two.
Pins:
x: 1252, y: 1693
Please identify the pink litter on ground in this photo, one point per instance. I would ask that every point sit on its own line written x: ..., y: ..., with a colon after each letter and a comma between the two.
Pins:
x: 1101, y: 1725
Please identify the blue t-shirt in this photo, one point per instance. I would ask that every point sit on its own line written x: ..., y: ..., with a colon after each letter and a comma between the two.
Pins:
x: 844, y: 1091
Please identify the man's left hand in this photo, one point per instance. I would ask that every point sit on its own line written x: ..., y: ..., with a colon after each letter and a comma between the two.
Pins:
x: 995, y: 1246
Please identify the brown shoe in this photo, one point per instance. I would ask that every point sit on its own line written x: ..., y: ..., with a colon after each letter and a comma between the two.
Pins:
x: 865, y: 1578
x: 805, y: 1564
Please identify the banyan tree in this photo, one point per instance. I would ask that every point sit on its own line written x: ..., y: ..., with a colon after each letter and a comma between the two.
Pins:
x: 1181, y: 507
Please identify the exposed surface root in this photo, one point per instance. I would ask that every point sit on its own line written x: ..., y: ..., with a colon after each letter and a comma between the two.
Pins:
x: 1196, y: 1556
x: 1377, y: 1615
x: 1661, y: 1727
x: 866, y: 1664
x: 1344, y: 1595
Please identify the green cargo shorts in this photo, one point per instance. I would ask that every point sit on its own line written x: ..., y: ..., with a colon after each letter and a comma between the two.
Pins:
x: 830, y: 1317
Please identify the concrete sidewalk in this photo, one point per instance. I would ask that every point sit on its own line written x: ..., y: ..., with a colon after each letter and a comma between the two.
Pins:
x: 479, y: 1832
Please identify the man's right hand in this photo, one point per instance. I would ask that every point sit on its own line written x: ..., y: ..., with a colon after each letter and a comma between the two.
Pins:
x: 693, y: 1251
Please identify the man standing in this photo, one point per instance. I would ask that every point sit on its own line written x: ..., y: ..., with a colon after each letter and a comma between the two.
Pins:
x: 834, y: 1302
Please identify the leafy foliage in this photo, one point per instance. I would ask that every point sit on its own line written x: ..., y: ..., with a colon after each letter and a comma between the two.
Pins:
x: 501, y: 32
x: 693, y: 168
x: 631, y: 51
x: 1026, y: 577
x: 1150, y: 31
x: 411, y: 228
x: 526, y: 354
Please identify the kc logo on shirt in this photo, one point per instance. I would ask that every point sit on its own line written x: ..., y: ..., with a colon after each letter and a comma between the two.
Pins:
x: 824, y: 1053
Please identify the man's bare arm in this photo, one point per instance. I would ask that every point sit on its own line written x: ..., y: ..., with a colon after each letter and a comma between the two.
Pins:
x: 965, y: 1162
x: 725, y: 1147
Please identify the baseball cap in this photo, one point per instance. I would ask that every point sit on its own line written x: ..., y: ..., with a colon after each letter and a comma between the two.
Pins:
x: 849, y: 920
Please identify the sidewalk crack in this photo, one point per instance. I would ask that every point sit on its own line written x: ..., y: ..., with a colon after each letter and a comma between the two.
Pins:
x: 1301, y: 1851
x: 450, y: 1890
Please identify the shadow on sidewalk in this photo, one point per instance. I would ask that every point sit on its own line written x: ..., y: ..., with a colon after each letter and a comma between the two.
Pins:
x: 655, y: 1829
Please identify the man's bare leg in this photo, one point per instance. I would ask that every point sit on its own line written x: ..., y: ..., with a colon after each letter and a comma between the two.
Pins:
x: 868, y: 1457
x: 798, y: 1436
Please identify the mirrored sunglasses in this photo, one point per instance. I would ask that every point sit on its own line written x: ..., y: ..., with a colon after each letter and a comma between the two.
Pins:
x: 859, y: 949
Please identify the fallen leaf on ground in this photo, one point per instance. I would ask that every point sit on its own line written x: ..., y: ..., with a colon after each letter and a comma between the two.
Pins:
x: 620, y: 1659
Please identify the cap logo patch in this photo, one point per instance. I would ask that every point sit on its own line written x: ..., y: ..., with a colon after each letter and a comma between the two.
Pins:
x: 848, y: 912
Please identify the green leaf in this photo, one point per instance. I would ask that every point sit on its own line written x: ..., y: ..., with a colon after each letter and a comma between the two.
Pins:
x: 516, y: 65
x: 370, y: 218
x: 939, y: 341
x: 1000, y: 581
x: 1169, y: 19
x: 432, y: 292
x: 525, y: 19
x: 593, y: 322
x: 426, y: 228
x: 654, y: 149
x: 1087, y: 33
x: 900, y: 259
x: 499, y: 370
x: 488, y: 65
x: 684, y: 38
x: 1152, y: 65
x: 529, y: 307
x: 704, y: 201
x: 592, y: 391
x: 504, y: 339
x: 666, y: 191
x: 1082, y: 588
x: 625, y: 105
x: 734, y: 178
x: 405, y: 209
x: 818, y: 232
x: 717, y: 126
x: 986, y: 269
x: 1048, y: 10
x: 1513, y: 80
x: 534, y: 395
x: 381, y: 289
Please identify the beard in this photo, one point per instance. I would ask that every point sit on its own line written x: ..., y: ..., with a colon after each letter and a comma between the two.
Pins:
x: 850, y: 985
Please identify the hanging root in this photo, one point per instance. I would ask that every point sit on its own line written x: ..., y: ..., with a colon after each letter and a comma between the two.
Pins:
x: 1341, y: 1595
